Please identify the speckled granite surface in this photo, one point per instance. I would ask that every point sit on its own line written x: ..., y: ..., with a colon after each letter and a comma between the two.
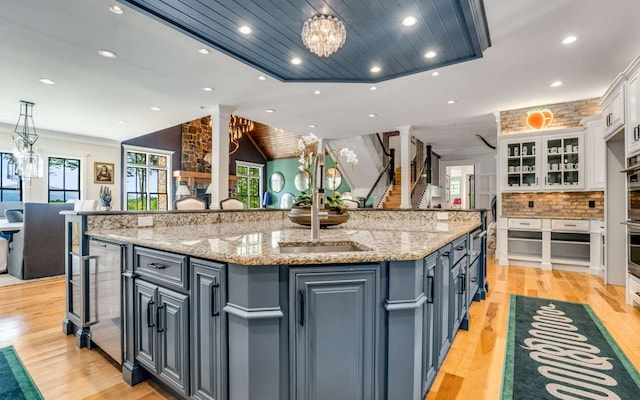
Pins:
x: 254, y: 238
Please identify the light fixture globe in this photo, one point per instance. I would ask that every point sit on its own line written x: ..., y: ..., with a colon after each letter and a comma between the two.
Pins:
x: 323, y: 35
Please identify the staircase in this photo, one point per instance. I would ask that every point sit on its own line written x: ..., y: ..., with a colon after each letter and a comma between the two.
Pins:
x: 394, y: 196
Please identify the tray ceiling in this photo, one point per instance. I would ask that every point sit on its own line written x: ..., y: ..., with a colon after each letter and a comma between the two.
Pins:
x: 455, y: 29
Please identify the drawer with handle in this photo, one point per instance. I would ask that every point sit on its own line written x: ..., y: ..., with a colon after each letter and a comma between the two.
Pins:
x: 570, y: 225
x: 460, y: 247
x: 163, y: 268
x: 525, y: 223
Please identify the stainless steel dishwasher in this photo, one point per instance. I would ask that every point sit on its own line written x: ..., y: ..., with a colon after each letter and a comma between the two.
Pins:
x: 105, y: 296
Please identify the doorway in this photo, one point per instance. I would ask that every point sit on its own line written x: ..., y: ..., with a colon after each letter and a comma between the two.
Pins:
x: 460, y: 189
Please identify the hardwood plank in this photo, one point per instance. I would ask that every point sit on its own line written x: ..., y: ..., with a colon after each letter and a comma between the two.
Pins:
x: 31, y: 315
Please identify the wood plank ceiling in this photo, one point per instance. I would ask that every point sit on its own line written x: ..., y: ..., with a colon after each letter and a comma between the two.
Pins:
x: 455, y: 29
x: 274, y: 143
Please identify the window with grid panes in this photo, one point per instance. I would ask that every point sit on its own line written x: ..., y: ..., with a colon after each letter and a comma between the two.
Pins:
x: 249, y: 183
x: 64, y: 179
x: 147, y: 180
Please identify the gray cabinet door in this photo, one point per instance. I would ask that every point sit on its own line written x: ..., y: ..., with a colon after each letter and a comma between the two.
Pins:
x: 333, y: 335
x: 209, y: 344
x: 474, y: 280
x: 145, y: 324
x: 455, y: 299
x: 172, y: 326
x: 429, y: 358
x: 443, y: 273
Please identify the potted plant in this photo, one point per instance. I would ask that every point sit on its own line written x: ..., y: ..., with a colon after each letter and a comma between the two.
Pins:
x: 301, y: 209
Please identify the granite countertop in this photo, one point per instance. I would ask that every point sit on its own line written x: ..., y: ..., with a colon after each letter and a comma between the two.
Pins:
x: 257, y: 243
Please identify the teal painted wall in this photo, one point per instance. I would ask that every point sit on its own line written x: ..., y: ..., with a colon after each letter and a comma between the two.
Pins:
x: 288, y: 167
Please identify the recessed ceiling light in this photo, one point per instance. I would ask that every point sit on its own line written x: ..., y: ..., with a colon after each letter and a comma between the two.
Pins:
x: 316, y: 92
x: 409, y: 21
x: 375, y: 68
x: 245, y: 30
x: 207, y: 89
x: 452, y: 102
x: 270, y: 110
x: 47, y: 81
x: 203, y: 51
x: 155, y: 108
x: 122, y: 122
x: 569, y: 39
x: 556, y: 84
x: 116, y: 9
x: 296, y: 61
x: 312, y: 126
x: 373, y: 115
x: 262, y: 78
x: 435, y: 73
x: 430, y: 54
x: 373, y: 88
x: 107, y: 53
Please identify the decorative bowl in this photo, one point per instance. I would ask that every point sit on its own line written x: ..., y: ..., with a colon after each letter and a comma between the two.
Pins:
x: 302, y: 216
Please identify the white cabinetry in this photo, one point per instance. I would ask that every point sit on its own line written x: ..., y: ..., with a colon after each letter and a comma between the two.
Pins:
x: 544, y: 161
x: 574, y: 245
x: 520, y: 164
x: 563, y: 161
x: 613, y: 107
x: 632, y: 132
x: 596, y: 156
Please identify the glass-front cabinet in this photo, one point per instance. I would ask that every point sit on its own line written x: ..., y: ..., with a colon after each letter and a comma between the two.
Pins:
x: 521, y: 165
x: 563, y: 163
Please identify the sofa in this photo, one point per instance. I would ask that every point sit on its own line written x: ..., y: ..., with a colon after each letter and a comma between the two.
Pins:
x: 38, y: 249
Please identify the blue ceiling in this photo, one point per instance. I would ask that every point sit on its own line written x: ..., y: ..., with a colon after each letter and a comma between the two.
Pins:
x: 455, y: 29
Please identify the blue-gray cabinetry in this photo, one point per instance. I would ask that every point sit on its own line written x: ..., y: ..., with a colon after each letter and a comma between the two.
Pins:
x: 208, y: 324
x: 458, y: 285
x: 443, y: 312
x: 429, y: 311
x: 333, y: 330
x: 161, y: 317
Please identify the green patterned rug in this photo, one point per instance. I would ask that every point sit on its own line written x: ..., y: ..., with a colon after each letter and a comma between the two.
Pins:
x: 15, y: 382
x: 561, y: 350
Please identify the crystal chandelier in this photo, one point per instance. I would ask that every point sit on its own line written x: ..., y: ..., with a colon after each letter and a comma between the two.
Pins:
x: 238, y: 126
x: 323, y: 35
x: 27, y: 158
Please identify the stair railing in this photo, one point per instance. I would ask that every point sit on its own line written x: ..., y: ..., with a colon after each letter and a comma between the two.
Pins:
x: 386, y: 177
x: 419, y: 185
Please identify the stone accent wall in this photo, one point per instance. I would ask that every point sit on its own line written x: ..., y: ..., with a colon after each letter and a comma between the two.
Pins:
x: 565, y: 115
x: 196, y: 142
x: 553, y: 205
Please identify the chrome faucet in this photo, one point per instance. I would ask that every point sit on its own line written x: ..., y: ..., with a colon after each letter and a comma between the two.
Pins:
x: 318, y: 192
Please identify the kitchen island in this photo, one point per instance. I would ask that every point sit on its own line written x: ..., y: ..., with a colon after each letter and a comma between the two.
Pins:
x: 242, y: 305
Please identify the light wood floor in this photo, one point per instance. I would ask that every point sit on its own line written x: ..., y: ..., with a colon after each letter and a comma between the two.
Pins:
x: 31, y: 320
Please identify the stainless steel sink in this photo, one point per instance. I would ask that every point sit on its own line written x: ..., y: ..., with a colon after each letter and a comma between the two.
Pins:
x: 319, y: 247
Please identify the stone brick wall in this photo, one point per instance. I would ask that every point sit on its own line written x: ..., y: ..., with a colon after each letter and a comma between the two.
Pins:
x: 565, y: 115
x: 196, y: 142
x: 553, y: 205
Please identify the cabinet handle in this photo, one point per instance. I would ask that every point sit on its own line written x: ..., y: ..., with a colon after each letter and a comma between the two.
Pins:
x: 573, y: 225
x: 158, y: 318
x: 474, y: 280
x: 445, y: 254
x: 156, y: 266
x: 150, y: 323
x: 431, y: 289
x: 464, y: 283
x: 214, y: 290
x: 459, y: 248
x: 459, y: 288
x: 301, y: 297
x: 525, y: 223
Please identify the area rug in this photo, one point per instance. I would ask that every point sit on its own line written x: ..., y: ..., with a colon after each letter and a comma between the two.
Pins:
x: 560, y: 350
x: 15, y: 382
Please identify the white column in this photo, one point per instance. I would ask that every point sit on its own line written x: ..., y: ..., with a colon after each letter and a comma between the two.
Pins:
x: 220, y: 116
x: 405, y: 164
